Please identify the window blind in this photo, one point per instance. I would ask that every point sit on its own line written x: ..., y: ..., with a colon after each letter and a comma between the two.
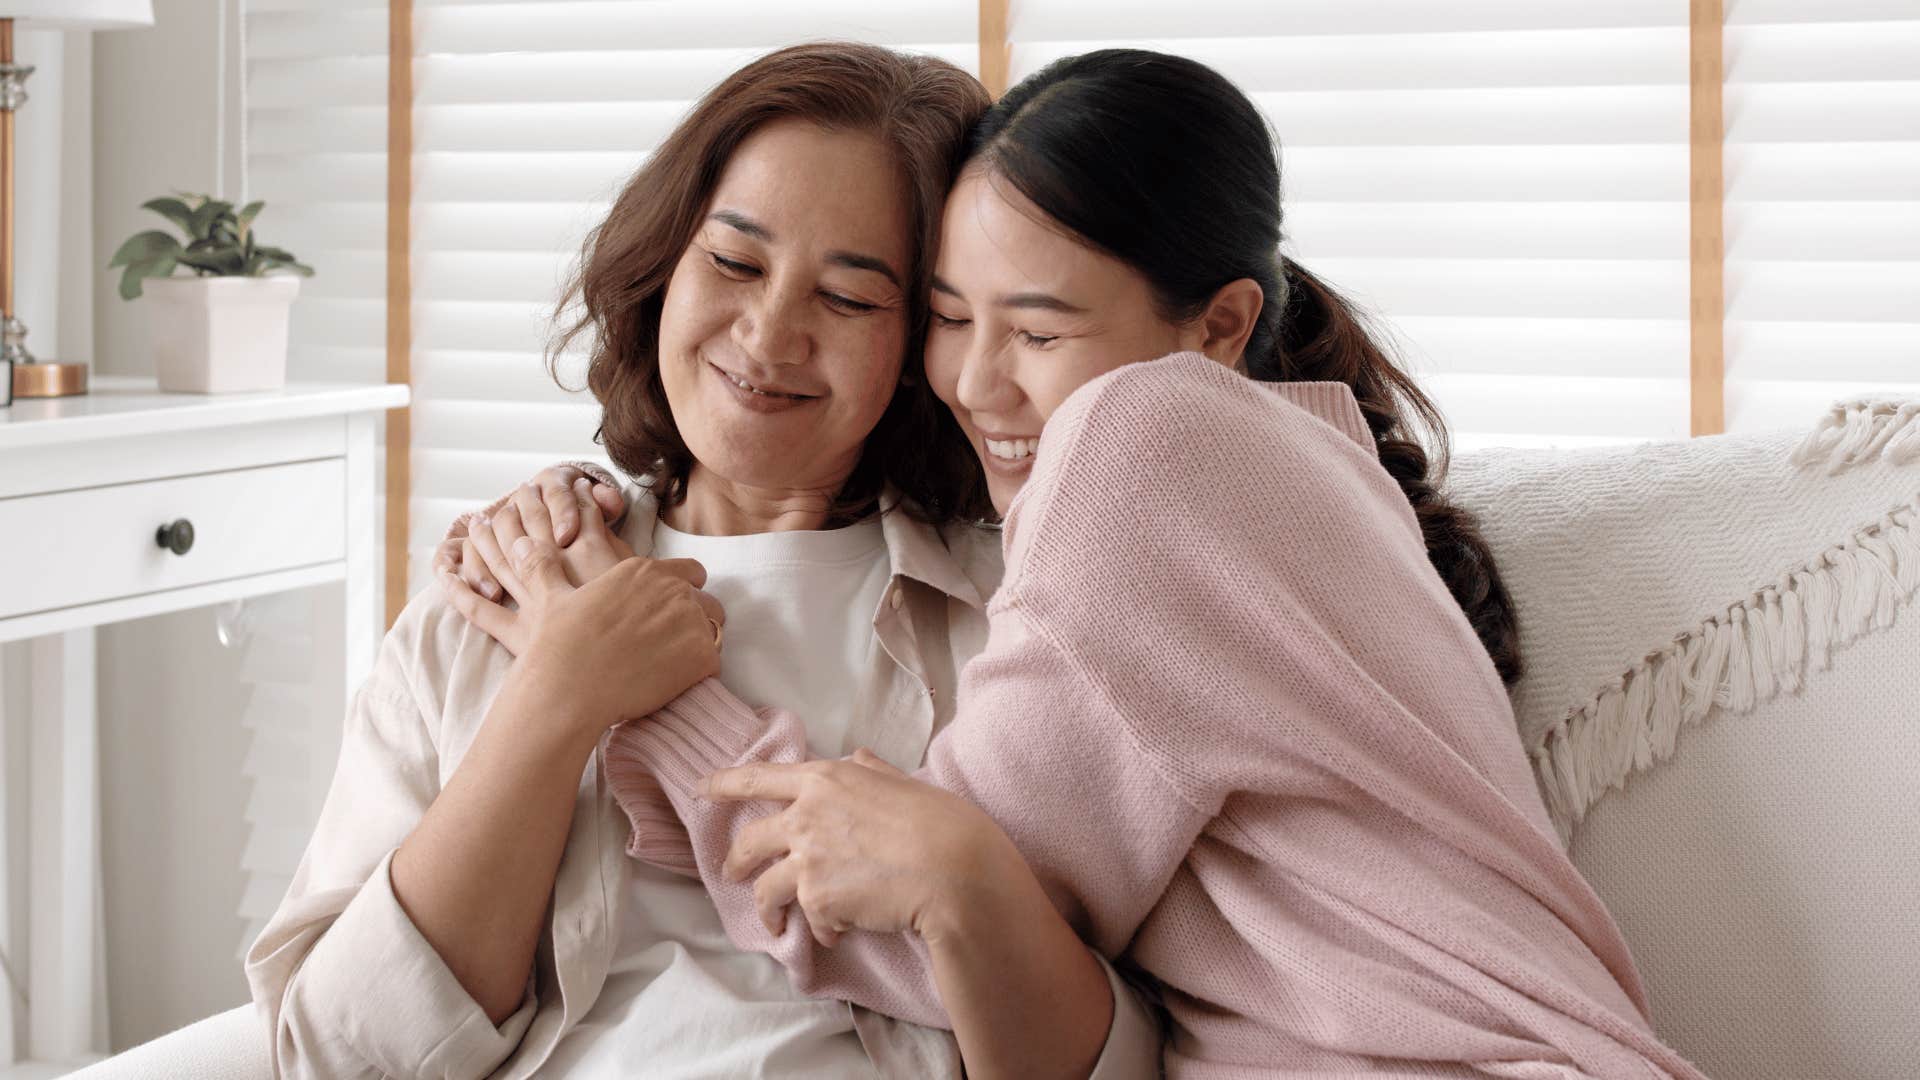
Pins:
x: 1823, y: 205
x: 313, y: 146
x: 1501, y: 183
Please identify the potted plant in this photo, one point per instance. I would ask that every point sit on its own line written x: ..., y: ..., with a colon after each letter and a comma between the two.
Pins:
x: 224, y: 326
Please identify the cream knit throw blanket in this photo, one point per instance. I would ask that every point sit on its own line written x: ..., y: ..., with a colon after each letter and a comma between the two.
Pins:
x: 1663, y: 585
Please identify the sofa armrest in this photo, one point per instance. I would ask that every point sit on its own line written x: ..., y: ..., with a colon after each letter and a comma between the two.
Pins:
x: 226, y: 1046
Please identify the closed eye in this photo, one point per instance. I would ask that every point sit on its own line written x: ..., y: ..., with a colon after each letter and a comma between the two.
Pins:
x: 847, y: 304
x: 731, y: 267
x: 1038, y: 341
x: 946, y: 323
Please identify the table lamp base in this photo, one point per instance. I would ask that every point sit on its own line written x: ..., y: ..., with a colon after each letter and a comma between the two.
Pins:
x: 46, y: 380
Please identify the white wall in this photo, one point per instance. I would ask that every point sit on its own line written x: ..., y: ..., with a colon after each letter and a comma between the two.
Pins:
x: 170, y: 694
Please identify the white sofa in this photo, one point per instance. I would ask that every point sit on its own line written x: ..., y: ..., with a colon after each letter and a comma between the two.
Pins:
x: 1723, y: 703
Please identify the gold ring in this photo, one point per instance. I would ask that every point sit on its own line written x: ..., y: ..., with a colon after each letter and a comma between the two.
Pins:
x: 718, y: 632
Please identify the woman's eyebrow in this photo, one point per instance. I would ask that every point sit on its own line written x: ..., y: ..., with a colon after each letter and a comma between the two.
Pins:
x: 1030, y: 300
x: 852, y: 260
x: 743, y: 223
x: 1041, y: 301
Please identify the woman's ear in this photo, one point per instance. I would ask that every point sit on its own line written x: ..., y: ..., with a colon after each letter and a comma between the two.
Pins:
x: 1228, y: 321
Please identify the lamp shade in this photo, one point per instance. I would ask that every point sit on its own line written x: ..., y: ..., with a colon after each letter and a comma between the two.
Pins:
x: 77, y: 14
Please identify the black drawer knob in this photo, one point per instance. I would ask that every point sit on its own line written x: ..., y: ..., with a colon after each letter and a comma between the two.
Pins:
x: 176, y: 537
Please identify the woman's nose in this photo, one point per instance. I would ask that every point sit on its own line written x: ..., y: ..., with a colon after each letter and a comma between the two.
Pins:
x: 770, y: 330
x: 985, y: 386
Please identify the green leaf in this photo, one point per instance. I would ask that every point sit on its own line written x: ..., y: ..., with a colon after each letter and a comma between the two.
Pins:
x: 226, y: 263
x: 205, y: 215
x: 144, y: 246
x: 158, y: 267
x: 248, y: 213
x: 276, y: 259
x: 172, y: 209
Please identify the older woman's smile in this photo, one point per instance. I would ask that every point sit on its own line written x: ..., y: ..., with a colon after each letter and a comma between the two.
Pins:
x: 759, y: 396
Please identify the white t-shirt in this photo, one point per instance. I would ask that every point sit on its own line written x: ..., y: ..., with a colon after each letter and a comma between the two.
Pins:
x: 681, y: 1001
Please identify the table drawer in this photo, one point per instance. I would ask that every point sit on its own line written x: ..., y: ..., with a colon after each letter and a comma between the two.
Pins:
x: 82, y: 547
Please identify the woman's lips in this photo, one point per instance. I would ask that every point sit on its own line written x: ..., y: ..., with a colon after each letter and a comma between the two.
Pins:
x: 1005, y: 466
x: 757, y: 401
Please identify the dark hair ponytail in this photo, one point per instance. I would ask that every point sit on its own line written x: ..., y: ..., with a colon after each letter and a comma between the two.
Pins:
x: 1164, y: 164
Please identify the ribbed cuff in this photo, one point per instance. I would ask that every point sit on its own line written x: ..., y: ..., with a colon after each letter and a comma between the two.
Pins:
x: 655, y: 764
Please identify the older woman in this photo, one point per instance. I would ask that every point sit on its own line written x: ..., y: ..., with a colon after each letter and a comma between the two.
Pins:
x: 465, y: 908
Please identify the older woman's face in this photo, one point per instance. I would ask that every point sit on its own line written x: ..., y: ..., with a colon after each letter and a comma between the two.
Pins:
x: 784, y: 324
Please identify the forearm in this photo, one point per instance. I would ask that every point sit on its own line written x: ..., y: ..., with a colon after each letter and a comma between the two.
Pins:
x: 475, y: 875
x: 1026, y: 997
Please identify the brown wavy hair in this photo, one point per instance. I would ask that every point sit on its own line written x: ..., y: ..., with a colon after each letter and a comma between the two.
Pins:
x: 919, y: 106
x: 1163, y: 163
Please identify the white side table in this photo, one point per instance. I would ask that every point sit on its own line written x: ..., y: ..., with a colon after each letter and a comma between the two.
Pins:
x: 276, y: 491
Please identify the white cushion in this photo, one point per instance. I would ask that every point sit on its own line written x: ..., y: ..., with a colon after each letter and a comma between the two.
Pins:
x: 1746, y: 810
x: 225, y: 1046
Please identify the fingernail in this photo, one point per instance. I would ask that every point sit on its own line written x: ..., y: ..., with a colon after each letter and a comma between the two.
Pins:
x: 489, y: 590
x: 482, y: 519
x: 520, y: 549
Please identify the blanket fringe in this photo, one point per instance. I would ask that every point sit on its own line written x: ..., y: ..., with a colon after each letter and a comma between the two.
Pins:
x: 1735, y: 660
x: 1858, y: 430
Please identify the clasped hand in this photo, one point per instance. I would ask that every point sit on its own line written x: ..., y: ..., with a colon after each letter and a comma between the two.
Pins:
x: 599, y: 632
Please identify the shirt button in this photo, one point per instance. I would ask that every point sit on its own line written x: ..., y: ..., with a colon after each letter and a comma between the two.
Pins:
x: 895, y: 600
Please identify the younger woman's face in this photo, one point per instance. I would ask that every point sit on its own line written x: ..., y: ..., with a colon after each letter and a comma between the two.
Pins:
x: 1023, y: 315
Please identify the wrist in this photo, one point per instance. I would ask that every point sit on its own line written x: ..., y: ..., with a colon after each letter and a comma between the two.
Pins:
x: 543, y: 710
x: 999, y: 892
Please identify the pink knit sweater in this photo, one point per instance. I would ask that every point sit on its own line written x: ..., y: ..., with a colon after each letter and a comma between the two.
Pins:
x: 1247, y: 740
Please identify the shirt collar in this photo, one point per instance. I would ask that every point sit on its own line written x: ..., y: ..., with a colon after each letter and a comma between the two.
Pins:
x: 961, y: 560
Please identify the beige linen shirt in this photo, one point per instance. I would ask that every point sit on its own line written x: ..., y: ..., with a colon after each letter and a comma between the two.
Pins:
x: 348, y: 986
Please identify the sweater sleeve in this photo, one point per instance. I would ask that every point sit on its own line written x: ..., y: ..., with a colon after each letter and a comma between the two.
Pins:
x: 1101, y: 828
x: 1254, y: 594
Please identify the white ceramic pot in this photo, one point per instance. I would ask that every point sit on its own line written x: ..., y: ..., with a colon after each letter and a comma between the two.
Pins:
x: 215, y: 335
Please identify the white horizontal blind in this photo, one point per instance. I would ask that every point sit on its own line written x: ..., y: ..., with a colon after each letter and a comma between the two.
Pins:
x: 316, y: 84
x: 1503, y: 182
x: 1823, y: 205
x: 315, y: 151
x: 528, y: 119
